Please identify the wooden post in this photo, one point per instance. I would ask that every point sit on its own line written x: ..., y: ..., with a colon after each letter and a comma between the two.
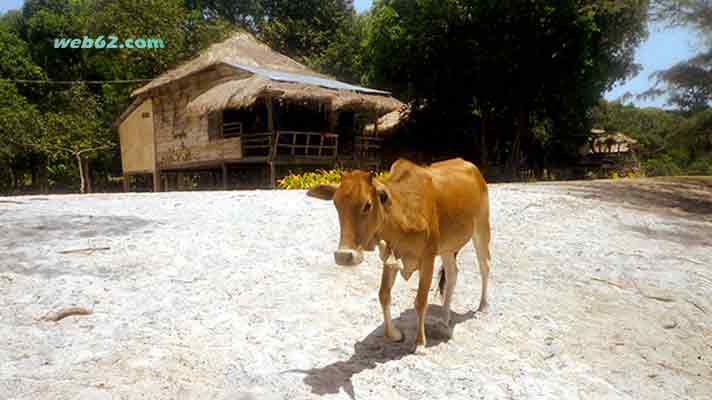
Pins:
x: 270, y: 116
x: 272, y: 175
x: 224, y: 176
x: 126, y: 182
x: 157, y: 180
x: 270, y: 124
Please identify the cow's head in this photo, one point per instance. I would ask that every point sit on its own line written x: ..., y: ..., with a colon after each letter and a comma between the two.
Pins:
x: 360, y: 201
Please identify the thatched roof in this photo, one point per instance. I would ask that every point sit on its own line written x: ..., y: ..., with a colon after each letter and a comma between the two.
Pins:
x: 389, y: 122
x: 243, y: 92
x: 240, y: 48
x: 271, y: 73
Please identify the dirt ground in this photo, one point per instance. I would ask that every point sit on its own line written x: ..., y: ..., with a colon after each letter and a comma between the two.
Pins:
x: 599, y: 289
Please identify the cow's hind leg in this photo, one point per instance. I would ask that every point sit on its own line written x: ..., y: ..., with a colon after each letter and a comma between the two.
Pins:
x: 481, y: 240
x: 384, y: 295
x: 448, y: 286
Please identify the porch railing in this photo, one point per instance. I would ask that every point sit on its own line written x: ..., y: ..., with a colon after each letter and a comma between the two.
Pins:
x: 257, y: 144
x: 290, y: 144
x: 306, y: 144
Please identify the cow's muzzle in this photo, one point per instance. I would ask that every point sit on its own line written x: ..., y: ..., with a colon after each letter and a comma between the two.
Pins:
x: 348, y: 257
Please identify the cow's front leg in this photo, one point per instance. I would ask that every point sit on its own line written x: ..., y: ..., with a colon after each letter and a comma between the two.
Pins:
x: 421, y: 300
x: 384, y: 295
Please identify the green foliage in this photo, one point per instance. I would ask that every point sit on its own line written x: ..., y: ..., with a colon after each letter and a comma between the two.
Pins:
x: 182, y: 30
x: 15, y: 59
x: 43, y: 127
x: 687, y: 84
x: 654, y: 129
x: 343, y: 57
x: 18, y: 120
x: 661, y: 166
x: 504, y: 66
x: 304, y: 29
x: 671, y: 143
x: 700, y: 167
x: 308, y: 179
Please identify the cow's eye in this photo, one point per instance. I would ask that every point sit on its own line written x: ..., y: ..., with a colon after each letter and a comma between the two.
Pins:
x: 367, y: 207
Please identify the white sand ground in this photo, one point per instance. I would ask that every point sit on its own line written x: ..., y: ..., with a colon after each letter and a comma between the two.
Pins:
x: 234, y: 295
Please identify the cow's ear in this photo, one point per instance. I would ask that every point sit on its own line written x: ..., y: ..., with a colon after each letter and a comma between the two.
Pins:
x: 382, y: 196
x: 323, y: 191
x: 381, y: 193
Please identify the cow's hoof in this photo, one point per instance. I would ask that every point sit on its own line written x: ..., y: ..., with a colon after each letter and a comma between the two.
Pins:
x: 395, y: 335
x: 420, y: 350
x: 483, y: 307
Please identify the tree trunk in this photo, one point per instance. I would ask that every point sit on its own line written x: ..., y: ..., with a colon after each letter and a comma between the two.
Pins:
x: 43, y: 180
x: 521, y: 131
x: 484, y: 129
x: 35, y: 176
x: 13, y: 178
x: 87, y: 175
x: 82, y: 183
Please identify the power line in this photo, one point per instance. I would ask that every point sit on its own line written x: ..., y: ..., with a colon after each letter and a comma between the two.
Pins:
x: 50, y: 82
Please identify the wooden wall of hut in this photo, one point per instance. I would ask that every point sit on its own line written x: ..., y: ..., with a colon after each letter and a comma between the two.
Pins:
x: 181, y: 140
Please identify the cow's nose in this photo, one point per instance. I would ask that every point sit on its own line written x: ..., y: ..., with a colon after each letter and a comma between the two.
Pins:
x: 348, y: 257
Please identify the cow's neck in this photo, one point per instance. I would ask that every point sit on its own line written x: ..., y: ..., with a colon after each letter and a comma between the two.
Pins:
x: 406, y: 237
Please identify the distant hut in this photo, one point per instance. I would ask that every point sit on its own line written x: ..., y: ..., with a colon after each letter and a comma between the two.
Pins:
x: 609, y: 150
x: 615, y: 142
x: 242, y: 115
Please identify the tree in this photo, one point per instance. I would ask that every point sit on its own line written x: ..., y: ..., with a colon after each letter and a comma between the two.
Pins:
x: 688, y: 83
x: 74, y: 131
x: 343, y: 58
x: 495, y: 69
x: 70, y: 123
x: 19, y: 120
x: 300, y: 29
x: 18, y: 117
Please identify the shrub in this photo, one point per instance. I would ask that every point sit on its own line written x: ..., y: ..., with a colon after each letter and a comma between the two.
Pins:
x: 661, y: 166
x: 308, y: 179
x: 700, y: 167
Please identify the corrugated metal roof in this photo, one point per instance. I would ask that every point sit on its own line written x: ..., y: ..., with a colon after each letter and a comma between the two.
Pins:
x: 305, y: 79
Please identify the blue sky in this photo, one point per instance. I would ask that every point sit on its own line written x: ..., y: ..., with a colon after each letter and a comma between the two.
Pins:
x: 663, y: 48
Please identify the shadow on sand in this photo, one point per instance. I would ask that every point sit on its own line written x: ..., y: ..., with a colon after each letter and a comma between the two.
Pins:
x: 687, y: 199
x: 375, y: 349
x: 690, y: 195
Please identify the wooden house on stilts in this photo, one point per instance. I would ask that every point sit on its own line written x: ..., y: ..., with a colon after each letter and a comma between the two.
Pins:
x: 241, y: 115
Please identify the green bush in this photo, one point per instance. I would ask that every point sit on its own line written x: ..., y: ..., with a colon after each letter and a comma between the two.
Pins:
x: 661, y: 166
x: 700, y: 167
x: 309, y: 179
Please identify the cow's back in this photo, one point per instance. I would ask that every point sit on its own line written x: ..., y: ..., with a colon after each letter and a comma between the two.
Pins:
x: 461, y: 198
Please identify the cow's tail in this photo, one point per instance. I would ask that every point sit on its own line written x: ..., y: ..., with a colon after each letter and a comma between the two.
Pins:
x: 441, y: 281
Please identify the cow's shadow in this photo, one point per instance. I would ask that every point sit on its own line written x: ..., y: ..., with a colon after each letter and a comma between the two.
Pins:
x: 375, y: 349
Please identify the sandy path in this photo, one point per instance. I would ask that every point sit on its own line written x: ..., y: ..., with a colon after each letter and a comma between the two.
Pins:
x: 234, y: 295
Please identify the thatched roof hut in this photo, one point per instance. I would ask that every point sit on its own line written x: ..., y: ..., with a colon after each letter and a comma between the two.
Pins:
x: 610, y: 142
x: 241, y: 111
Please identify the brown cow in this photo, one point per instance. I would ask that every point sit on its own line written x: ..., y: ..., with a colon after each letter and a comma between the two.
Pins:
x: 416, y: 214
